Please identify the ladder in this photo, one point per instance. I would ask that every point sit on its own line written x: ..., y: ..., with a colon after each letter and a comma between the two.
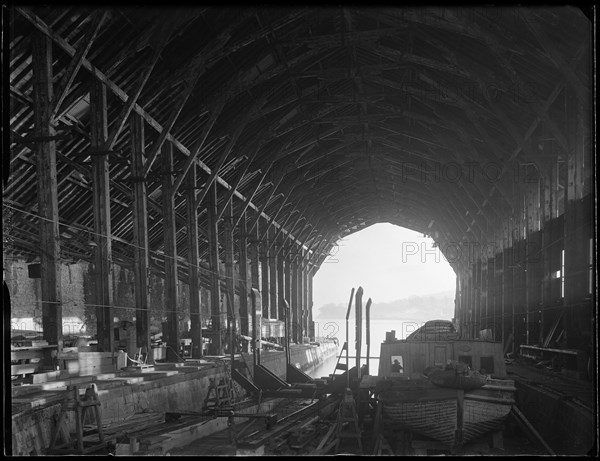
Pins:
x: 338, y: 365
x: 347, y: 422
x: 218, y: 395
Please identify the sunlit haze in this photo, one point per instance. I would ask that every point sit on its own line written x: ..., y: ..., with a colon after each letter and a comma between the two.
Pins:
x: 388, y: 261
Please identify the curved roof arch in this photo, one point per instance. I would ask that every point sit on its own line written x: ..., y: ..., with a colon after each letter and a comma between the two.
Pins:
x: 341, y: 116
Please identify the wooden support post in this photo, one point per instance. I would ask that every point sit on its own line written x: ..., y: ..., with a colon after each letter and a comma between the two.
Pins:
x: 280, y: 282
x: 358, y: 331
x: 265, y: 274
x: 216, y: 347
x: 47, y: 191
x: 550, y: 189
x: 287, y: 286
x: 140, y: 237
x: 193, y: 261
x: 230, y: 282
x: 301, y: 300
x: 306, y: 302
x: 255, y: 273
x: 170, y: 244
x: 244, y: 282
x: 273, y: 277
x: 311, y: 323
x: 294, y: 306
x: 102, y: 226
x: 256, y: 324
x: 578, y: 230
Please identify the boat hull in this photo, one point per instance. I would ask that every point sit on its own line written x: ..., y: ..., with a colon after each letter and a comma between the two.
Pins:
x: 434, y: 412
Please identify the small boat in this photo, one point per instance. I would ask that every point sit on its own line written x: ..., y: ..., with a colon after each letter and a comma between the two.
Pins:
x: 449, y: 415
x: 441, y: 386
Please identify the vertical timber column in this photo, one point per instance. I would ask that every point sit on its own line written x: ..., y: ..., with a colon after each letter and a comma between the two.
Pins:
x: 300, y: 299
x: 47, y: 191
x: 194, y: 281
x: 264, y: 270
x: 255, y: 279
x: 140, y: 236
x: 311, y: 324
x: 170, y: 297
x: 102, y: 227
x: 281, y: 315
x: 287, y: 282
x: 229, y: 272
x: 304, y: 298
x: 216, y: 346
x: 273, y: 278
x: 578, y: 230
x: 255, y: 274
x: 550, y: 188
x: 294, y: 298
x: 244, y: 283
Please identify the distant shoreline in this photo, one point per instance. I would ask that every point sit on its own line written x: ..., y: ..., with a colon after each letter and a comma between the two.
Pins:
x: 428, y: 307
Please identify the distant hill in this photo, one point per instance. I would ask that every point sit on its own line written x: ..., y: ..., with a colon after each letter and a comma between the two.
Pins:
x: 420, y: 308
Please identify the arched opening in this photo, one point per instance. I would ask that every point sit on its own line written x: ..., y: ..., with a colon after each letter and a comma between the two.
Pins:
x: 407, y: 278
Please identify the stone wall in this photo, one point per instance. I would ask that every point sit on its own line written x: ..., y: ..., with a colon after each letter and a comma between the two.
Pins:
x: 78, y: 298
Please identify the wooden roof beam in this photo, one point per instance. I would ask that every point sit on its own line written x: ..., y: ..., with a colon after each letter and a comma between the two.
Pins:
x: 65, y: 83
x: 40, y: 25
x: 195, y: 69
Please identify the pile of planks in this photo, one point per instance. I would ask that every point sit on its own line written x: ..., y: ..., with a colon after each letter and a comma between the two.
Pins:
x: 154, y: 434
x: 29, y: 357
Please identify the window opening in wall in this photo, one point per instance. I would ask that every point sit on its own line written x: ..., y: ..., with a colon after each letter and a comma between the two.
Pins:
x: 397, y: 364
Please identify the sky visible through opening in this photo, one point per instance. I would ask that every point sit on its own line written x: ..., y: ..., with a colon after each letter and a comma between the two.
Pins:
x: 408, y: 280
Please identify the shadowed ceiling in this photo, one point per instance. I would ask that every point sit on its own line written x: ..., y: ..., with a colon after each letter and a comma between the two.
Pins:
x: 326, y: 120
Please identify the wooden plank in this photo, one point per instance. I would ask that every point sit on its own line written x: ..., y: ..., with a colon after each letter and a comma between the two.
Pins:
x: 24, y: 369
x: 530, y: 430
x: 47, y: 190
x: 27, y: 354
